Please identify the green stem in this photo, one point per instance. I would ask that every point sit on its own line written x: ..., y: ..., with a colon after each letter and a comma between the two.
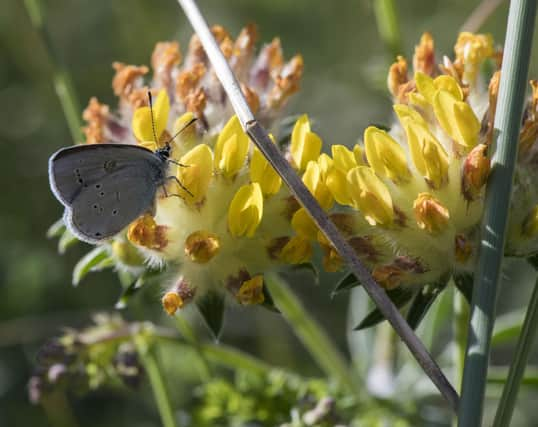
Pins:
x: 62, y: 80
x: 514, y: 71
x: 158, y: 386
x: 387, y: 25
x: 234, y: 359
x: 321, y: 348
x: 189, y: 334
x: 461, y: 320
x: 517, y: 368
x: 58, y: 410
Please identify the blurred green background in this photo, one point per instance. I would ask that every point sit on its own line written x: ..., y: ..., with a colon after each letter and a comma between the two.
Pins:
x: 343, y: 91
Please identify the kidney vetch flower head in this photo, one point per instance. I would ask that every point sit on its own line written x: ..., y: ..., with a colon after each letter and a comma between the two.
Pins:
x: 227, y: 218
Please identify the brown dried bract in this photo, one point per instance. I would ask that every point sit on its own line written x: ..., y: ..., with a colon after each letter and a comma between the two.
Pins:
x: 397, y: 75
x: 287, y: 82
x: 188, y: 80
x: 96, y: 115
x: 127, y: 78
x: 164, y: 58
x: 424, y: 57
x: 252, y: 98
x: 195, y: 102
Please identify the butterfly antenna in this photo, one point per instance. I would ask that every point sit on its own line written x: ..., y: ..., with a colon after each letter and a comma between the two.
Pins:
x: 185, y: 126
x: 152, y: 119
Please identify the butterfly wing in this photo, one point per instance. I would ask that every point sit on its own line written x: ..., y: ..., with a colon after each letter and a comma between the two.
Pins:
x: 104, y: 187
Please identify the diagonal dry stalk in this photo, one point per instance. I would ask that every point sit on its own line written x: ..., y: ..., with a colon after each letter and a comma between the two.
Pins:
x: 260, y: 137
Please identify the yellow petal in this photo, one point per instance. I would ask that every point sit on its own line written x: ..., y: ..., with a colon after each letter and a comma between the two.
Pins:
x: 337, y: 183
x: 305, y: 145
x: 456, y: 118
x: 298, y: 250
x: 196, y: 175
x: 314, y: 182
x: 405, y: 112
x: 370, y: 196
x: 429, y: 156
x: 201, y: 246
x: 304, y: 225
x: 358, y: 152
x: 325, y: 165
x: 263, y: 173
x: 425, y: 86
x: 450, y: 85
x: 231, y: 148
x: 246, y: 210
x: 251, y: 291
x: 430, y: 214
x: 343, y: 157
x: 385, y: 156
x: 142, y: 124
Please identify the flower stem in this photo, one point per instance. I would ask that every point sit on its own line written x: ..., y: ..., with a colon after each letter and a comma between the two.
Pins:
x: 461, y: 320
x: 317, y: 342
x: 61, y: 79
x: 58, y: 410
x: 158, y: 386
x: 261, y: 139
x: 387, y: 26
x: 507, y: 123
x: 188, y: 333
x: 517, y: 368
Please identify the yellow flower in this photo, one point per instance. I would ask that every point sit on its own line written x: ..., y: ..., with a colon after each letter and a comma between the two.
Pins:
x: 246, y: 210
x: 337, y: 183
x: 313, y: 180
x: 201, y: 246
x: 262, y: 172
x: 428, y: 87
x: 196, y: 175
x: 370, y: 196
x: 298, y: 250
x: 386, y: 157
x: 145, y: 232
x: 456, y: 118
x: 142, y: 124
x: 471, y: 50
x: 305, y: 145
x: 251, y: 291
x: 172, y: 302
x: 429, y: 156
x: 231, y: 148
x: 343, y: 158
x: 304, y: 225
x: 475, y: 172
x: 430, y: 214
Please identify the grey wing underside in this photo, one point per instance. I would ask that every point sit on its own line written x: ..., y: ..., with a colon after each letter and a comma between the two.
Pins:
x: 101, y: 201
x: 72, y: 169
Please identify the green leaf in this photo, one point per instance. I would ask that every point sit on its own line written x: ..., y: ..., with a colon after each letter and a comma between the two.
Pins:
x: 211, y: 307
x: 146, y: 278
x: 348, y: 282
x: 67, y: 240
x: 88, y: 262
x: 399, y: 296
x: 499, y: 374
x: 507, y: 327
x: 422, y: 303
x: 56, y: 229
x: 464, y: 284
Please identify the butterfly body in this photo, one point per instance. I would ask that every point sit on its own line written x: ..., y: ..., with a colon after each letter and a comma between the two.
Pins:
x: 104, y: 187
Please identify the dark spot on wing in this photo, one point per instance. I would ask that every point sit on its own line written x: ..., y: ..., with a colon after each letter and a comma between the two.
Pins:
x: 115, y: 212
x: 110, y: 165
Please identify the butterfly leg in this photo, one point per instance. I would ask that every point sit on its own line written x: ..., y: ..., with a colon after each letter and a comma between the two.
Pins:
x: 177, y: 163
x: 175, y: 178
